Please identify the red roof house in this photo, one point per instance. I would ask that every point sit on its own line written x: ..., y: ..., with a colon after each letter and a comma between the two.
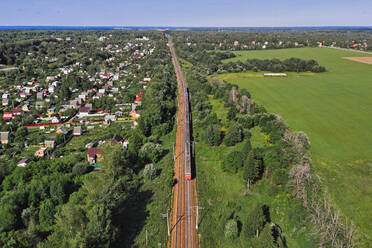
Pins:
x: 7, y: 115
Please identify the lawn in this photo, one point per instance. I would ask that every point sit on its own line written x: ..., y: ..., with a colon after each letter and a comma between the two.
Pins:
x: 335, y: 110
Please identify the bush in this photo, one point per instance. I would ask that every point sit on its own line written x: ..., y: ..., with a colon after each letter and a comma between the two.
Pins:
x: 150, y: 171
x: 79, y: 169
x: 233, y: 162
x: 233, y: 135
x: 280, y: 176
x: 231, y: 229
x: 212, y: 135
x: 151, y: 151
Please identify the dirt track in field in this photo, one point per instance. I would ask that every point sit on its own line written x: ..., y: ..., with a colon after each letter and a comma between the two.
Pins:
x: 365, y: 60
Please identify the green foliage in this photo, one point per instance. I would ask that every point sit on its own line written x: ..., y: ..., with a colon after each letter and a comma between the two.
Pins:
x: 231, y: 115
x: 149, y: 171
x: 280, y: 177
x: 46, y: 215
x: 231, y: 229
x: 212, y: 135
x: 79, y: 169
x: 151, y: 152
x: 266, y: 239
x: 252, y: 168
x: 247, y: 147
x: 233, y: 161
x: 255, y: 222
x: 234, y: 134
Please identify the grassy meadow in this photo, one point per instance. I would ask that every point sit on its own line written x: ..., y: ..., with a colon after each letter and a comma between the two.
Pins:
x: 335, y: 110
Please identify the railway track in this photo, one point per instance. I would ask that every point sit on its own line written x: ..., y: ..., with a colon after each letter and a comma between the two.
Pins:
x: 183, y: 228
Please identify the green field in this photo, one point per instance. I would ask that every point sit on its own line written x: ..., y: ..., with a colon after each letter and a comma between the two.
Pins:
x: 335, y: 110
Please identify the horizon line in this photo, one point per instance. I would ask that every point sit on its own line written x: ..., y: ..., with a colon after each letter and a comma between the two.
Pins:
x: 182, y: 26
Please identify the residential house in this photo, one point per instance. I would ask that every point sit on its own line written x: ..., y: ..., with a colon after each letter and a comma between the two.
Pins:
x: 23, y: 162
x: 116, y: 139
x: 5, y: 102
x: 55, y: 119
x: 61, y: 130
x: 39, y: 95
x: 39, y: 105
x: 146, y: 79
x: 7, y: 115
x: 134, y: 114
x: 94, y: 154
x: 77, y: 131
x: 125, y: 143
x: 51, y: 89
x: 74, y: 104
x: 50, y: 144
x: 50, y: 78
x: 5, y: 96
x: 26, y: 107
x: 84, y: 111
x: 89, y: 105
x: 4, y: 138
x: 98, y: 96
x: 83, y: 96
x: 17, y: 111
x: 41, y: 152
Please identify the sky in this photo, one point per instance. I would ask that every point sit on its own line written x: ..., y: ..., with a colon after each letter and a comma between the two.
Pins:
x: 191, y: 13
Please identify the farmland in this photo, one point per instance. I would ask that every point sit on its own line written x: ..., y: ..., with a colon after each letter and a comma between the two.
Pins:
x: 335, y: 110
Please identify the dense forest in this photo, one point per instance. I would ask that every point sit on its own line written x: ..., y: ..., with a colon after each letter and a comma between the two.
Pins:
x: 275, y: 39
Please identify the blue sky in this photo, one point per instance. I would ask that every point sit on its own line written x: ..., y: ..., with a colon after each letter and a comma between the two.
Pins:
x: 187, y: 13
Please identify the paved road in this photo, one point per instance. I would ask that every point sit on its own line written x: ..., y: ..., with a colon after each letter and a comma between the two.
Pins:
x: 183, y: 220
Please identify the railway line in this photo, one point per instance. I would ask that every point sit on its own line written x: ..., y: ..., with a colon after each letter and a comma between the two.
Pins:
x: 183, y: 220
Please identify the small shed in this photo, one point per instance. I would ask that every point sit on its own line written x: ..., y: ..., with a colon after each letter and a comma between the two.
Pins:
x: 77, y: 131
x: 94, y: 154
x: 23, y: 162
x: 4, y: 138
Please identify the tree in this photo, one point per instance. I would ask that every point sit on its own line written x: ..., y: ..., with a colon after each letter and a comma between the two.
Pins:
x: 233, y: 161
x: 46, y: 215
x: 212, y: 135
x: 231, y: 229
x: 151, y: 151
x: 150, y: 171
x: 266, y: 239
x: 234, y: 134
x: 252, y: 169
x: 21, y: 134
x: 247, y: 147
x: 231, y: 115
x: 255, y: 222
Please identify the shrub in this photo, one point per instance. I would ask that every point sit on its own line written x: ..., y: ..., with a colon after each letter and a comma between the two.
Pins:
x: 151, y: 151
x: 212, y: 135
x: 234, y: 135
x: 233, y: 162
x: 150, y: 171
x: 231, y: 229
